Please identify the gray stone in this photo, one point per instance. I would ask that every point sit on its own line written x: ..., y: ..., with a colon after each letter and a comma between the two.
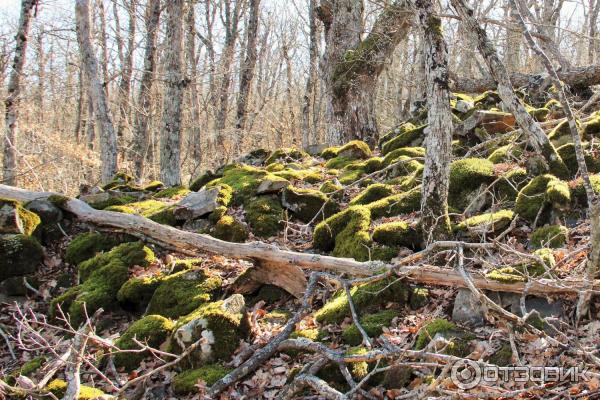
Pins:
x: 315, y: 149
x: 97, y: 200
x: 272, y: 185
x: 197, y: 204
x: 463, y: 106
x: 234, y: 304
x: 467, y: 310
x: 48, y: 212
x: 197, y: 225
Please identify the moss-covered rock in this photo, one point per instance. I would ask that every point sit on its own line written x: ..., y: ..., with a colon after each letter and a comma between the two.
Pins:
x: 25, y: 221
x: 486, y: 224
x: 338, y: 163
x: 154, y: 186
x: 152, y: 330
x: 229, y: 229
x: 366, y: 298
x: 398, y: 204
x: 397, y: 234
x: 154, y: 210
x: 592, y: 157
x: 87, y: 245
x: 120, y: 181
x: 578, y: 190
x: 553, y: 236
x: 506, y: 153
x: 286, y: 155
x: 429, y: 331
x: 408, y: 138
x: 19, y: 255
x: 448, y: 338
x: 466, y: 177
x: 373, y: 324
x: 58, y: 388
x: 136, y: 292
x: 183, y: 292
x: 308, y: 175
x: 521, y: 272
x: 354, y: 150
x: 542, y: 191
x: 411, y: 152
x: 128, y: 254
x: 330, y: 187
x: 330, y: 152
x: 172, y: 193
x: 270, y: 294
x: 265, y: 215
x: 305, y: 204
x: 247, y: 181
x: 502, y: 357
x: 509, y: 184
x: 346, y: 233
x: 397, y: 131
x: 372, y: 193
x: 561, y: 135
x: 186, y: 382
x: 203, y: 180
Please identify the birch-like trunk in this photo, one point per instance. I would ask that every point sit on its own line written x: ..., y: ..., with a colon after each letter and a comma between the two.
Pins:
x: 536, y: 136
x: 438, y: 142
x: 108, y: 138
x: 9, y: 166
x: 175, y: 82
x: 126, y: 74
x: 311, y: 81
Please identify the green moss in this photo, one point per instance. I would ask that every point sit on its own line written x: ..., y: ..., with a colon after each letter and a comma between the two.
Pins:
x: 405, y: 166
x: 116, y: 200
x: 397, y: 131
x: 351, y: 173
x: 510, y: 183
x: 591, y: 128
x: 520, y: 272
x: 553, y: 236
x: 128, y: 254
x: 487, y: 223
x: 502, y: 357
x: 229, y: 229
x: 330, y: 152
x: 58, y: 388
x: 431, y: 329
x: 372, y: 193
x: 304, y: 175
x: 27, y: 369
x: 286, y: 155
x: 313, y: 334
x: 397, y: 233
x: 19, y: 255
x: 578, y: 190
x: 562, y: 134
x: 338, y: 162
x: 137, y: 292
x: 183, y: 292
x: 203, y: 180
x: 366, y: 298
x: 466, y: 176
x: 487, y: 99
x: 29, y: 219
x: 154, y: 210
x: 539, y: 114
x: 173, y: 192
x: 373, y: 324
x: 419, y: 297
x: 58, y: 200
x: 505, y: 154
x: 265, y: 215
x: 543, y: 190
x: 355, y: 150
x: 154, y: 186
x: 152, y: 330
x: 330, y: 187
x: 305, y: 204
x: 411, y: 152
x: 186, y: 382
x: 326, y: 232
x: 592, y: 157
x: 186, y: 265
x: 405, y: 139
x: 244, y: 180
x: 398, y: 204
x: 270, y: 294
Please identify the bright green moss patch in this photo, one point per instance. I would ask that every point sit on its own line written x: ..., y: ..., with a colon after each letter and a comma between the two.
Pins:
x: 265, y: 215
x: 431, y: 329
x: 366, y: 297
x: 410, y: 152
x: 592, y: 157
x: 373, y: 324
x: 128, y: 254
x: 306, y: 175
x: 542, y: 191
x: 487, y: 223
x: 186, y: 382
x: 372, y: 193
x: 203, y: 180
x: 58, y: 388
x: 398, y: 204
x: 137, y: 292
x: 338, y: 162
x: 330, y: 187
x: 355, y: 150
x: 562, y: 134
x: 353, y: 219
x: 29, y: 219
x: 286, y: 155
x: 154, y: 186
x: 229, y: 229
x: 154, y: 210
x: 305, y: 204
x: 399, y: 130
x: 553, y: 236
x: 407, y: 138
x: 520, y: 272
x: 505, y: 154
x: 183, y: 292
x: 330, y: 152
x: 174, y: 192
x: 151, y: 330
x: 404, y: 166
x: 19, y: 255
x: 313, y: 334
x: 397, y: 233
x: 466, y: 176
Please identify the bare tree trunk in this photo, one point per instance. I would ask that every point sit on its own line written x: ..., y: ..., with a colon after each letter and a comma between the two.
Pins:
x: 170, y: 140
x: 247, y: 74
x: 103, y: 45
x: 288, y: 90
x: 9, y: 167
x: 512, y: 52
x: 195, y: 131
x: 91, y: 124
x: 126, y: 73
x: 80, y: 105
x: 537, y: 137
x: 141, y: 139
x: 108, y: 139
x: 310, y: 91
x: 438, y: 142
x: 594, y: 9
x: 41, y: 73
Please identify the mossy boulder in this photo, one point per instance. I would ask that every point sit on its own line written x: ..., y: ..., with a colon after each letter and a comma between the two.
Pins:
x: 154, y: 186
x: 429, y: 330
x: 330, y: 187
x: 121, y: 180
x: 410, y: 152
x: 507, y: 187
x: 152, y: 330
x: 172, y: 192
x: 330, y: 152
x: 16, y: 219
x: 408, y: 138
x: 561, y: 135
x: 505, y: 154
x: 543, y: 191
x: 229, y: 229
x: 305, y: 204
x: 446, y: 337
x: 486, y: 224
x: 553, y: 236
x: 19, y: 255
x: 366, y: 298
x: 578, y: 194
x: 591, y: 155
x: 467, y: 176
x: 398, y: 204
x: 86, y: 245
x: 397, y: 131
x: 154, y: 210
x: 183, y: 292
x: 522, y: 272
x: 372, y: 193
x: 128, y: 254
x: 136, y: 293
x: 220, y: 325
x: 397, y: 234
x: 186, y: 382
x: 345, y: 233
x: 203, y: 179
x: 308, y: 175
x: 286, y: 155
x: 58, y: 388
x: 354, y: 150
x: 265, y: 215
x: 373, y: 324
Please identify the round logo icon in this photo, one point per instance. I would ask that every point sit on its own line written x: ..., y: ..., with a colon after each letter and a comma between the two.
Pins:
x: 466, y: 374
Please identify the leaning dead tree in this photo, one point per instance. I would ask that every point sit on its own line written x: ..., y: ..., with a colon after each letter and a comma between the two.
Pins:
x: 108, y: 137
x: 11, y: 103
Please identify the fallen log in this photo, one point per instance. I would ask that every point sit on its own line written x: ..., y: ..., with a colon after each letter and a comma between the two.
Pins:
x: 269, y: 255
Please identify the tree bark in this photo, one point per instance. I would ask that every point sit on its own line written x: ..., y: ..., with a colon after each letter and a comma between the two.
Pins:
x: 108, y: 138
x: 537, y: 138
x: 311, y: 81
x: 12, y: 100
x: 126, y: 74
x: 195, y: 132
x: 103, y: 44
x: 170, y: 141
x: 41, y: 73
x: 141, y: 136
x: 438, y: 142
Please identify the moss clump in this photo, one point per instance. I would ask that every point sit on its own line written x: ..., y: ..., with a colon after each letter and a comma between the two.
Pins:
x: 186, y: 382
x: 397, y: 233
x: 313, y: 334
x: 154, y: 186
x: 592, y: 157
x: 286, y: 155
x: 203, y: 180
x: 245, y: 181
x: 29, y: 219
x: 413, y: 137
x: 128, y: 254
x: 355, y: 150
x: 521, y: 272
x: 27, y: 369
x: 58, y: 388
x: 373, y: 324
x: 152, y: 330
x: 186, y: 265
x: 542, y: 191
x: 304, y: 175
x: 553, y: 236
x: 578, y: 190
x: 338, y: 162
x: 305, y: 204
x: 265, y: 215
x: 137, y: 292
x: 539, y: 114
x: 510, y: 183
x: 397, y: 131
x: 505, y: 154
x: 372, y: 193
x: 431, y: 329
x: 229, y: 229
x: 330, y: 187
x: 488, y: 223
x: 346, y: 233
x: 154, y: 210
x: 330, y: 152
x: 466, y: 176
x: 405, y: 166
x: 19, y: 255
x: 367, y: 297
x: 562, y: 134
x: 398, y: 204
x: 171, y: 193
x: 411, y: 152
x: 120, y: 179
x: 183, y: 292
